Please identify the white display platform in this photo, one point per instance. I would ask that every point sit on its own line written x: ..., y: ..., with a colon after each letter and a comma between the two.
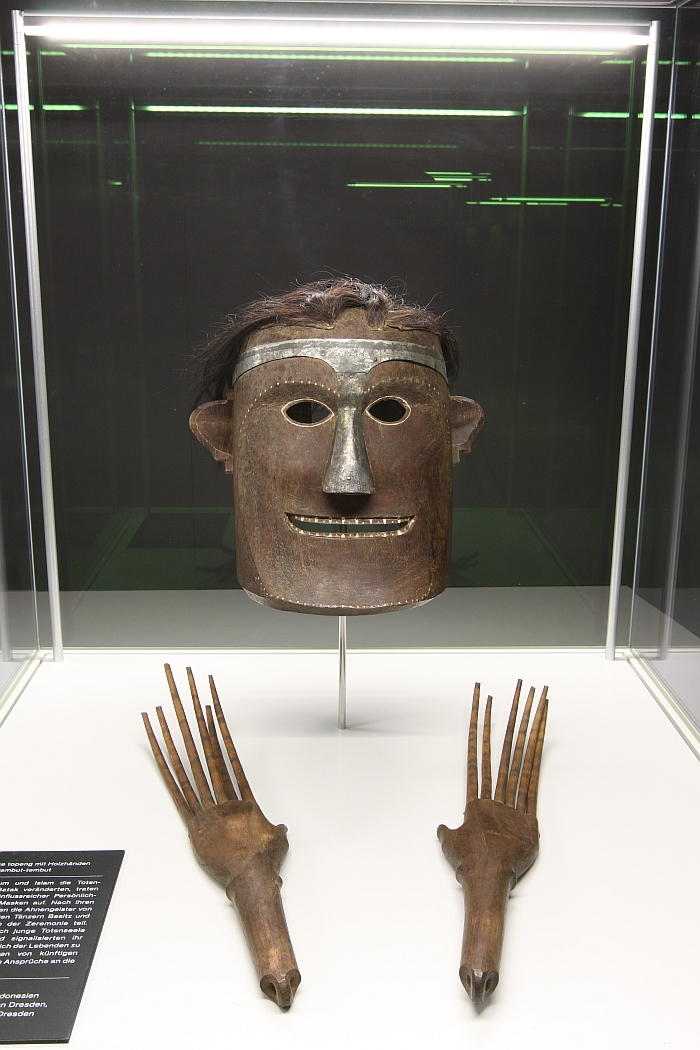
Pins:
x: 602, y: 934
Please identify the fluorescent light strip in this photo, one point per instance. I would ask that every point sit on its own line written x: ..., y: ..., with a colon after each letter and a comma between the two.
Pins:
x: 374, y: 34
x: 335, y: 111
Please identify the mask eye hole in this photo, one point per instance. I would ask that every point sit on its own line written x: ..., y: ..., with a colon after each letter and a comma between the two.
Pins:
x: 389, y: 410
x: 306, y: 413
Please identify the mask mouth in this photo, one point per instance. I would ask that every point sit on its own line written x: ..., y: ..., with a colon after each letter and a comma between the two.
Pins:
x: 349, y: 528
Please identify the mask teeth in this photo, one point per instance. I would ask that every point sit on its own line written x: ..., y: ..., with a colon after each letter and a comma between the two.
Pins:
x: 354, y: 535
x: 349, y: 521
x: 403, y: 523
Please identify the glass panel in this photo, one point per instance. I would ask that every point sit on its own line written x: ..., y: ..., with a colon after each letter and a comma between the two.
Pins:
x: 175, y: 182
x: 18, y: 616
x: 666, y: 622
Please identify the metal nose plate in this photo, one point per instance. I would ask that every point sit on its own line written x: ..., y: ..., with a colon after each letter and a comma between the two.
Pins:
x: 348, y: 471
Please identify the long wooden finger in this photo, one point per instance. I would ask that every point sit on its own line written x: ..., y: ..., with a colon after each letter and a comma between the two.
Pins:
x: 472, y: 761
x: 175, y: 793
x: 241, y: 779
x: 230, y: 790
x: 187, y: 789
x: 530, y: 753
x: 486, y: 752
x: 535, y: 778
x: 212, y: 766
x: 190, y: 746
x: 518, y: 750
x: 502, y: 781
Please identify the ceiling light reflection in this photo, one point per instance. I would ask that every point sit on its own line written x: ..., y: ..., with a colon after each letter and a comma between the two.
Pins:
x: 345, y: 33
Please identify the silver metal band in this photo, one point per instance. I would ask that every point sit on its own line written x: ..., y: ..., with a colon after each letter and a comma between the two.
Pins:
x: 343, y: 355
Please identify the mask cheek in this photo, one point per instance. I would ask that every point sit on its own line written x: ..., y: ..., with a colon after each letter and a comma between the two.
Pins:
x: 278, y: 465
x: 406, y: 456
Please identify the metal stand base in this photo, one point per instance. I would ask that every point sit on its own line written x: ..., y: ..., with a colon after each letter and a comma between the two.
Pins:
x: 342, y: 649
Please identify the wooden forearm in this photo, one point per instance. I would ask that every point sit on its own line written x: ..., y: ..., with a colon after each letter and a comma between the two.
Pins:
x: 485, y: 901
x: 256, y: 896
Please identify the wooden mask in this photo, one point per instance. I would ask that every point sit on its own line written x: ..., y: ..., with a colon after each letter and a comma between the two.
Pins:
x: 341, y: 444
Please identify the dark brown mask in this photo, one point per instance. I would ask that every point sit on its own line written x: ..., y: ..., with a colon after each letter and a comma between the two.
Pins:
x: 342, y: 465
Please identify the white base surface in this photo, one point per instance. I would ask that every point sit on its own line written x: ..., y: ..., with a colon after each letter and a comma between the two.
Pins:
x: 602, y: 933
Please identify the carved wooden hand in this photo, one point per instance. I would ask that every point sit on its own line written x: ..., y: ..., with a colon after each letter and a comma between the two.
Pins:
x: 498, y: 840
x: 231, y: 838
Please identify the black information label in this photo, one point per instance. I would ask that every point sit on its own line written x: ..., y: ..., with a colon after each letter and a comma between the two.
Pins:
x: 52, y: 907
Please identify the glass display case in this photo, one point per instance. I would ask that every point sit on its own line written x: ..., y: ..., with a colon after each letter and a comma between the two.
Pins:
x: 18, y: 607
x: 176, y: 176
x: 530, y: 172
x: 666, y: 622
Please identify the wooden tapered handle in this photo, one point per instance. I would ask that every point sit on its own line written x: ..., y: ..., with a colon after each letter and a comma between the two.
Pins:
x: 485, y: 900
x: 256, y: 895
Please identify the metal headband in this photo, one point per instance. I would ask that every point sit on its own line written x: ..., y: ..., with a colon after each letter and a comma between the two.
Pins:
x: 344, y: 355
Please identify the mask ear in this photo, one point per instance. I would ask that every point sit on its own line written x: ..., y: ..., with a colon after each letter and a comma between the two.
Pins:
x: 466, y: 420
x: 212, y: 425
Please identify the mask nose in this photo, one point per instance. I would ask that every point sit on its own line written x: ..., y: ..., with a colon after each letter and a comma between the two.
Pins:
x: 348, y: 470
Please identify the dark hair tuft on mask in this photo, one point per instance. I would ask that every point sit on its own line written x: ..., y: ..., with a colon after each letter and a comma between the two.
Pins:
x: 318, y: 303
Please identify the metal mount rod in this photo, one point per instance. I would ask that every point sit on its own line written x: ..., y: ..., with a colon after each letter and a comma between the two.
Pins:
x: 623, y: 470
x: 342, y: 652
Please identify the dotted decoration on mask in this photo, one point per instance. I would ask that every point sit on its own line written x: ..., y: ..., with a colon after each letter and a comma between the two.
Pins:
x: 273, y: 386
x: 321, y: 605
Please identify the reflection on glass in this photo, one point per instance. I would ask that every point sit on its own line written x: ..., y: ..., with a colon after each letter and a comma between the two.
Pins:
x: 18, y: 619
x: 666, y: 620
x: 175, y: 182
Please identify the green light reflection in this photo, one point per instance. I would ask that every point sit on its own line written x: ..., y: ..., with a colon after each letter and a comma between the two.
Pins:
x: 459, y: 177
x: 624, y: 116
x: 297, y: 56
x: 335, y: 111
x: 603, y: 116
x: 480, y: 54
x: 561, y: 200
x: 442, y: 180
x: 54, y: 108
x: 400, y: 185
x: 457, y: 180
x: 333, y: 145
